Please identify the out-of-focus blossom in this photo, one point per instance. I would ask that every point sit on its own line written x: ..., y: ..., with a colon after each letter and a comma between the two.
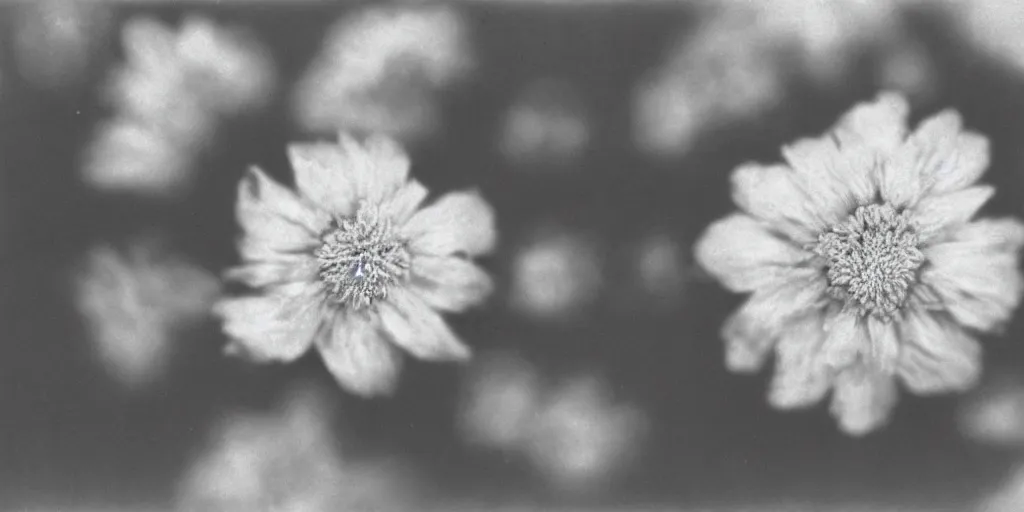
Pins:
x: 556, y: 273
x: 168, y: 98
x: 737, y: 64
x: 905, y: 66
x: 723, y: 72
x: 570, y: 431
x: 581, y: 437
x: 1009, y: 497
x: 287, y: 460
x: 546, y: 124
x: 354, y: 265
x: 56, y: 42
x: 657, y: 271
x: 501, y: 396
x: 995, y: 414
x: 381, y: 71
x: 133, y: 301
x: 864, y: 263
x: 129, y: 156
x: 992, y: 26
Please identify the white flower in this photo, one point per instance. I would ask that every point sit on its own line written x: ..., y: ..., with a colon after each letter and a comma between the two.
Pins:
x: 499, y: 401
x: 129, y: 156
x: 557, y: 273
x: 380, y: 70
x: 353, y: 261
x: 133, y: 301
x: 864, y: 264
x: 286, y: 460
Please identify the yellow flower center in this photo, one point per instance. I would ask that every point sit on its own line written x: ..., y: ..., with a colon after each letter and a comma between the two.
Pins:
x: 872, y: 259
x: 360, y: 258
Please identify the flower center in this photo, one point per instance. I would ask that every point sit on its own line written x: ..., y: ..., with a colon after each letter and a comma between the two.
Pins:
x: 360, y: 258
x: 872, y: 259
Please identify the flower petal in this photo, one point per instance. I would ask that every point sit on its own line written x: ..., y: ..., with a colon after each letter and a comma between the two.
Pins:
x: 404, y: 202
x: 387, y: 169
x: 880, y: 125
x: 948, y: 159
x: 884, y: 351
x: 278, y: 326
x: 149, y: 44
x: 863, y: 399
x: 801, y: 379
x: 975, y: 272
x: 750, y: 332
x: 273, y: 218
x: 359, y: 359
x: 419, y: 329
x: 937, y: 356
x: 457, y: 222
x: 450, y: 283
x: 772, y: 194
x: 846, y: 338
x: 326, y: 175
x: 937, y: 213
x: 282, y: 268
x: 743, y: 256
x: 834, y: 179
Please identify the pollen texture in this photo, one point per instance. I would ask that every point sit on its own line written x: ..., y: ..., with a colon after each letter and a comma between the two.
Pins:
x: 360, y: 259
x: 872, y: 259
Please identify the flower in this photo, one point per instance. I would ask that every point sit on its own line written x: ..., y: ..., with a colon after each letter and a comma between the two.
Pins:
x: 133, y: 301
x: 169, y: 96
x: 380, y: 71
x: 556, y: 274
x: 352, y: 260
x: 864, y: 264
x: 288, y: 460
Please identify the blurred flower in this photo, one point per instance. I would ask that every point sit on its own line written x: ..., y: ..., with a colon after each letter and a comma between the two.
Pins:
x: 546, y: 124
x: 992, y: 26
x: 133, y: 301
x: 168, y: 99
x: 380, y: 70
x: 864, y: 263
x: 1009, y: 497
x: 721, y: 73
x: 56, y: 41
x: 286, y: 461
x: 555, y: 274
x: 995, y: 414
x: 737, y: 64
x: 571, y: 431
x: 501, y: 395
x: 581, y: 437
x: 353, y: 260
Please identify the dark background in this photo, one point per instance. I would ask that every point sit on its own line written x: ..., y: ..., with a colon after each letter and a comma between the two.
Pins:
x: 67, y: 435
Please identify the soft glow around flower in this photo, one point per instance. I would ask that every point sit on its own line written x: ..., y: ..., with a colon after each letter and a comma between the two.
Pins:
x: 134, y: 302
x: 557, y: 273
x: 500, y: 398
x: 381, y: 71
